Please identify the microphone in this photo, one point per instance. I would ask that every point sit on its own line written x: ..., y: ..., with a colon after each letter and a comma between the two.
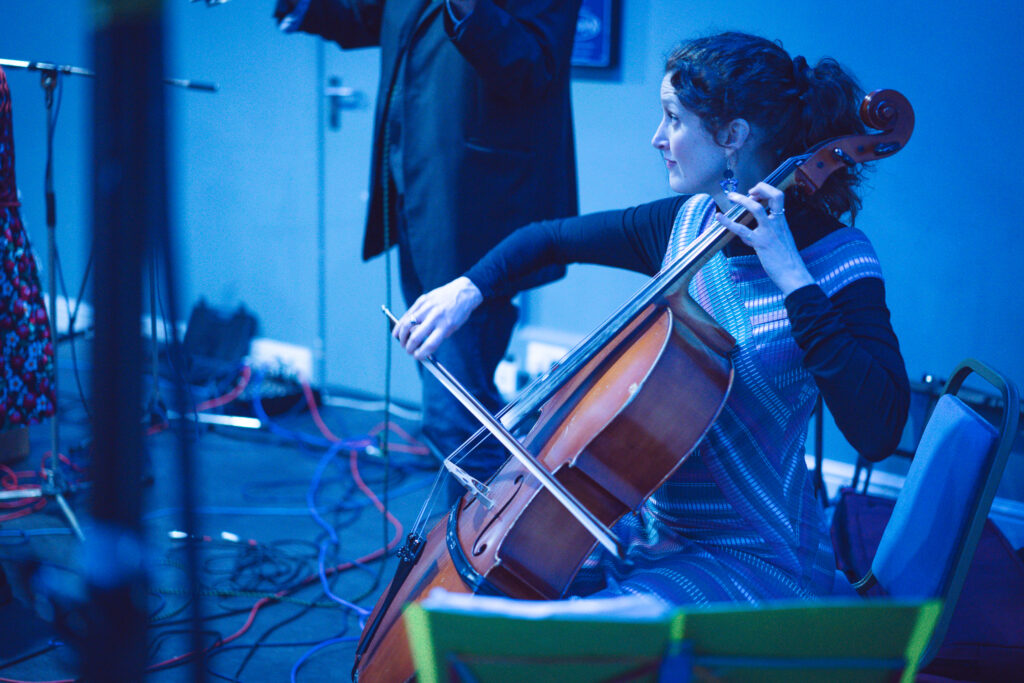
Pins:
x: 193, y: 85
x: 67, y: 70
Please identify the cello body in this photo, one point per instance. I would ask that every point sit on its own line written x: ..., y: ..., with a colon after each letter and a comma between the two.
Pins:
x: 528, y: 546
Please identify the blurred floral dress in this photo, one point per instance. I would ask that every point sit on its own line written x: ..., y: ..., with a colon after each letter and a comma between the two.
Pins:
x: 26, y: 350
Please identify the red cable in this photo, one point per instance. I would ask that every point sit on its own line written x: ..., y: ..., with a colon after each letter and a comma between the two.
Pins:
x: 8, y: 472
x: 402, y: 448
x: 62, y: 458
x: 157, y: 428
x: 217, y: 402
x: 37, y: 505
x: 354, y: 466
x: 10, y: 482
x: 353, y: 459
x: 399, y: 531
x: 396, y: 428
x: 311, y: 402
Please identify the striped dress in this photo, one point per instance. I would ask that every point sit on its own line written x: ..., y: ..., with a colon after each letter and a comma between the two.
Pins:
x: 738, y: 522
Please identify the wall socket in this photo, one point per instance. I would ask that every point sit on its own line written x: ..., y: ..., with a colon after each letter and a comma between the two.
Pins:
x: 272, y: 355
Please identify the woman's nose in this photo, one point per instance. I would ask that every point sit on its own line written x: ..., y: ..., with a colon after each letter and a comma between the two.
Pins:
x: 658, y: 141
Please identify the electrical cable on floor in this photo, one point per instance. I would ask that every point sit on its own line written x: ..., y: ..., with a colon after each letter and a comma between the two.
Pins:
x: 245, y: 375
x: 49, y: 647
x: 256, y: 608
x: 379, y: 553
x: 259, y: 641
x: 275, y: 511
x: 14, y: 481
x: 229, y: 648
x: 251, y: 557
x: 309, y: 653
x: 158, y: 640
x: 301, y: 437
x: 321, y: 560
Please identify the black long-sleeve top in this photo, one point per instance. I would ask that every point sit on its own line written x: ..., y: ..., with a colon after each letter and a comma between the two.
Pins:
x: 849, y: 346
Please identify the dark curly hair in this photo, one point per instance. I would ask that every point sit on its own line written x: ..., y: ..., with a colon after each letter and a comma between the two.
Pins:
x: 736, y: 75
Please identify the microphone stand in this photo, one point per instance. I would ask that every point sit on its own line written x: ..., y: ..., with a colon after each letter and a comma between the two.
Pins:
x: 54, y: 483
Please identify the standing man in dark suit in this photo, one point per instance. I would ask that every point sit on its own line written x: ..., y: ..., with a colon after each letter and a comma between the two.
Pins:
x: 473, y: 138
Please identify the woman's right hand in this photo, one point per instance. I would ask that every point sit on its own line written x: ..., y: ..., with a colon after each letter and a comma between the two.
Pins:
x: 435, y: 316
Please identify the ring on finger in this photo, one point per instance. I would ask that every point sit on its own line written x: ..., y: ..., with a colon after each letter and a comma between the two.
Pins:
x: 776, y: 212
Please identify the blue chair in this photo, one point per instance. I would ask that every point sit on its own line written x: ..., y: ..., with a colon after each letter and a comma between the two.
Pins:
x: 929, y: 542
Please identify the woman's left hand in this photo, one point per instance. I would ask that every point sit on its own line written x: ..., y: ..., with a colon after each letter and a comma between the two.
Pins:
x: 770, y: 237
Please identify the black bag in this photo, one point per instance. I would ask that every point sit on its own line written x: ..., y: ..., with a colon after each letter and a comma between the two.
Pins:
x: 985, y: 639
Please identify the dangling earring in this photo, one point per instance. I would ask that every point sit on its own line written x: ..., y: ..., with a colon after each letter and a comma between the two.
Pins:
x: 728, y: 181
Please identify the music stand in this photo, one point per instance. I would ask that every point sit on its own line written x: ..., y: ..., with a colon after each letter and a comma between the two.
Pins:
x: 496, y: 640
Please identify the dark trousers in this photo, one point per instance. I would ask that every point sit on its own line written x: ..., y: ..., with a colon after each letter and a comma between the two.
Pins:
x: 471, y: 354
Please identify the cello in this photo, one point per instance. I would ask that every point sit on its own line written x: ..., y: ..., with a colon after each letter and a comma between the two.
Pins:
x: 523, y: 535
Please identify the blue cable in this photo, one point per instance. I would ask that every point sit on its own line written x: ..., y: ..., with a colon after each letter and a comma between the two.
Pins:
x: 237, y: 510
x: 358, y: 443
x: 325, y: 460
x: 230, y: 510
x: 301, y: 437
x: 309, y: 653
x: 314, y: 484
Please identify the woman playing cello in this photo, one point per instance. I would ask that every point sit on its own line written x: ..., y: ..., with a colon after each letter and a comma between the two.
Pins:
x: 801, y: 292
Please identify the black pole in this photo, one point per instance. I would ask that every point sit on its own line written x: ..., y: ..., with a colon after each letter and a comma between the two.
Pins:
x: 129, y: 207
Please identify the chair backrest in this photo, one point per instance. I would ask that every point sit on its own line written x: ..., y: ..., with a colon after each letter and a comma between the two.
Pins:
x: 929, y: 542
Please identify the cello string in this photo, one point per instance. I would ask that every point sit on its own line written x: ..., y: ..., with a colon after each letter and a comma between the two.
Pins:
x: 421, y: 520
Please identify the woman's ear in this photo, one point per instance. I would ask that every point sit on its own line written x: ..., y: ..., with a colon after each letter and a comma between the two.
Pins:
x: 735, y: 134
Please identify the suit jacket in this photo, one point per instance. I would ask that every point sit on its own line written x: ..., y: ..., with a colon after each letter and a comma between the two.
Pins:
x: 487, y: 139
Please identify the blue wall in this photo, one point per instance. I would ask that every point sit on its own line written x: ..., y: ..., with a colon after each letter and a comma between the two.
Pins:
x: 951, y: 258
x: 245, y: 183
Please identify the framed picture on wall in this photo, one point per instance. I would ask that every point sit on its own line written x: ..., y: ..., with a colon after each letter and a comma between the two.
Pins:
x: 593, y: 46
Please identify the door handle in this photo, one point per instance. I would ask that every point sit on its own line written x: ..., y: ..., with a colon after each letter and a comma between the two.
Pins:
x: 340, y: 97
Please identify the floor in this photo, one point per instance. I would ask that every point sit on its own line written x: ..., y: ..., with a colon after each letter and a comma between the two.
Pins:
x: 276, y: 508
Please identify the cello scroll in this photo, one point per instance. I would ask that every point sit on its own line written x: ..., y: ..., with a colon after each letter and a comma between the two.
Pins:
x: 884, y: 110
